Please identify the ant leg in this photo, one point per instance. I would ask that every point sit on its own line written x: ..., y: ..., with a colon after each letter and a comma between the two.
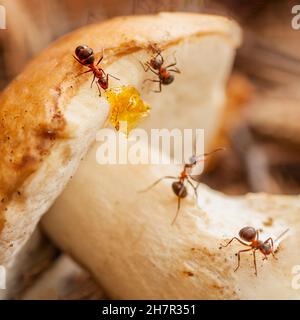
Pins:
x: 174, y: 63
x: 99, y: 61
x: 273, y: 255
x: 78, y: 60
x: 162, y: 58
x: 99, y: 89
x: 156, y: 53
x: 257, y: 235
x: 159, y: 88
x: 271, y: 240
x: 175, y: 70
x: 110, y: 75
x: 93, y: 81
x: 150, y: 68
x: 106, y: 78
x: 156, y: 182
x: 159, y: 81
x: 171, y: 65
x: 239, y: 258
x: 254, y: 260
x: 272, y: 246
x: 196, y: 192
x: 178, y: 208
x: 234, y: 238
x: 100, y: 58
x: 178, y: 203
x: 156, y: 73
x: 194, y: 188
x: 83, y: 73
x: 145, y: 67
x: 152, y: 80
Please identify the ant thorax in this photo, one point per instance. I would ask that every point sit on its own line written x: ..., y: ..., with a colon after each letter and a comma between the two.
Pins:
x: 192, y: 161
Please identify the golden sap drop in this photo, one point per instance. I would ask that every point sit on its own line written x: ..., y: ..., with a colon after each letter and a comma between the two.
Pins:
x: 126, y: 106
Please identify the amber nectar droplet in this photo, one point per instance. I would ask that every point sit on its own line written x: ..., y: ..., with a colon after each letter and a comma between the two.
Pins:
x: 126, y: 106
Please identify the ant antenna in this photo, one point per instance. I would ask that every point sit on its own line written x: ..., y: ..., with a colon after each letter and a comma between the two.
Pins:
x: 282, y: 234
x: 157, y: 182
x: 216, y: 150
x: 198, y: 158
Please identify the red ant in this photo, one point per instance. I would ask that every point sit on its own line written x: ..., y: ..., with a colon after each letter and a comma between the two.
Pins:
x: 85, y: 56
x: 250, y: 235
x: 155, y: 64
x: 178, y: 186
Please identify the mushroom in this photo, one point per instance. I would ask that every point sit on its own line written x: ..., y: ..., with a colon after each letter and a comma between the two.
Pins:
x: 49, y: 116
x: 49, y: 119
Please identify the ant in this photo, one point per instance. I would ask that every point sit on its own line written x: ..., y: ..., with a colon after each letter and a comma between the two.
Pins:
x: 179, y: 185
x: 250, y: 235
x: 155, y: 65
x: 85, y: 56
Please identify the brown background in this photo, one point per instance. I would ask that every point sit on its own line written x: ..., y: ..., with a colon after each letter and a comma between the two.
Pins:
x: 33, y: 24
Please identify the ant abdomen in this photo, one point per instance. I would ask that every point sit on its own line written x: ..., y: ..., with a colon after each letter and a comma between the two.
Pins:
x: 179, y: 189
x: 167, y: 79
x: 248, y: 234
x: 85, y: 54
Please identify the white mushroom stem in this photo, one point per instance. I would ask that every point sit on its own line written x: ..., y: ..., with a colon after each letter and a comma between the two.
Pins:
x: 126, y: 239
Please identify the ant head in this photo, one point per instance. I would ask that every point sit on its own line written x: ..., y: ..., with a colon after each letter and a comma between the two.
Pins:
x: 266, y: 248
x: 179, y: 189
x: 156, y: 62
x: 248, y: 234
x: 85, y: 54
x: 192, y: 160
